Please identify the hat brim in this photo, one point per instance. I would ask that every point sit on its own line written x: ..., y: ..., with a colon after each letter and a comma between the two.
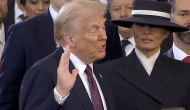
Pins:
x: 172, y: 27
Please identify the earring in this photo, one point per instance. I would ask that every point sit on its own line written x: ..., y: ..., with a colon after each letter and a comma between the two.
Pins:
x: 24, y: 13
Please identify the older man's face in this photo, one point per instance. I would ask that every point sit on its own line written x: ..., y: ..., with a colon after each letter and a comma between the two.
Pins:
x: 3, y: 10
x: 90, y: 39
x: 121, y: 9
x: 181, y: 16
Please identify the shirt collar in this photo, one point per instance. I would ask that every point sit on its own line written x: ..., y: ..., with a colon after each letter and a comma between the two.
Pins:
x: 178, y: 54
x: 131, y: 39
x: 148, y: 63
x: 53, y: 13
x: 140, y: 55
x: 18, y: 12
x: 2, y: 35
x: 80, y: 65
x: 103, y: 1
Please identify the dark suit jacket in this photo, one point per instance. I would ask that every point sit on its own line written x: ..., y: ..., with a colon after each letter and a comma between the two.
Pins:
x: 167, y: 86
x: 169, y: 53
x: 28, y: 42
x: 167, y: 43
x: 11, y: 14
x: 36, y: 91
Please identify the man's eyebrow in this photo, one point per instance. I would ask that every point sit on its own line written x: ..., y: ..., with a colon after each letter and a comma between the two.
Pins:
x: 184, y: 11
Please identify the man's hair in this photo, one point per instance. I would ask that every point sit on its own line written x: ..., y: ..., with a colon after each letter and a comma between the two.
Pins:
x: 69, y: 17
x: 172, y: 3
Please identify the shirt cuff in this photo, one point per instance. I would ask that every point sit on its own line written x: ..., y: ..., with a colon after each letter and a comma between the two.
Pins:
x: 58, y: 98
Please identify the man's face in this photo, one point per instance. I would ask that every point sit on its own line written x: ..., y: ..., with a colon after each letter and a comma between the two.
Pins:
x: 181, y: 16
x: 3, y: 10
x: 90, y: 38
x: 121, y: 9
x: 148, y: 37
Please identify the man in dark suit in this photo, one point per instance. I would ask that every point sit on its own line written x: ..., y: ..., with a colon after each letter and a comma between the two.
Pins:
x: 29, y: 41
x: 15, y: 10
x: 181, y: 45
x: 146, y: 79
x: 53, y: 83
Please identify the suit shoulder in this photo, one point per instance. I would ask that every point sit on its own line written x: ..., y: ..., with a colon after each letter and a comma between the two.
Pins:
x: 114, y: 63
x: 26, y: 24
x: 45, y: 65
x: 176, y: 63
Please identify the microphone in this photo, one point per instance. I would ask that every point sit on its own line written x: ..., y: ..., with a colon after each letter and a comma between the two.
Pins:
x: 174, y: 108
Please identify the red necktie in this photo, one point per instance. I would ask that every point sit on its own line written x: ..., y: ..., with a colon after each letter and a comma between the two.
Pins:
x: 22, y: 17
x: 96, y: 99
x: 186, y: 59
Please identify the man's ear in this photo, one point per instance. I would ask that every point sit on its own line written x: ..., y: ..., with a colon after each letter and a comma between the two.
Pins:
x: 68, y: 40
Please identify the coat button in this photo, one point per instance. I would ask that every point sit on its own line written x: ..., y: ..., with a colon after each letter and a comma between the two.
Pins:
x: 139, y: 108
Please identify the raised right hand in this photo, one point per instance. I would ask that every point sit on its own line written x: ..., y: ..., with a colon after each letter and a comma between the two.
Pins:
x: 65, y: 79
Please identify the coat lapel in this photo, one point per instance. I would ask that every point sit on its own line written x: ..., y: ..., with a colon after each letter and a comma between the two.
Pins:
x: 135, y: 73
x: 44, y: 31
x: 169, y: 53
x: 163, y: 73
x: 104, y: 85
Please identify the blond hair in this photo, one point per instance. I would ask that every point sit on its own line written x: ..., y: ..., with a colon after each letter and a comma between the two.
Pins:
x: 71, y: 12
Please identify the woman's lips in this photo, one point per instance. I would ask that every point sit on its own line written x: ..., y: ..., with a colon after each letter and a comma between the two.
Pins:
x: 147, y: 40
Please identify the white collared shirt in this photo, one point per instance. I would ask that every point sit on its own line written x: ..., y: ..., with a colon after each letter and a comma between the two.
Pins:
x: 148, y: 63
x: 103, y: 1
x: 81, y: 66
x: 53, y: 13
x: 18, y: 12
x: 129, y: 48
x: 178, y: 54
x: 2, y: 39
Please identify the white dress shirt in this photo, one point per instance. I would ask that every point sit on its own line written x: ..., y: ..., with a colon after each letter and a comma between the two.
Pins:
x: 148, y: 63
x: 129, y: 48
x: 53, y: 13
x: 18, y: 12
x: 2, y: 39
x: 81, y: 66
x: 103, y: 1
x: 178, y: 54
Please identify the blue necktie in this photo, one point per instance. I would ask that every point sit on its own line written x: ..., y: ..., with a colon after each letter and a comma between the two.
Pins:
x: 123, y: 44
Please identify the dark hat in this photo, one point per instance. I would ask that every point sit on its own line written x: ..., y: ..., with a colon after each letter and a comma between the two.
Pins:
x: 152, y: 13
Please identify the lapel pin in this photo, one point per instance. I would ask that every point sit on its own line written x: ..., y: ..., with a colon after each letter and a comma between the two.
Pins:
x: 100, y: 76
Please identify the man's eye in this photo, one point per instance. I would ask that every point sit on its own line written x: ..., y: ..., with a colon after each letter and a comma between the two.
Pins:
x: 182, y: 14
x: 116, y: 9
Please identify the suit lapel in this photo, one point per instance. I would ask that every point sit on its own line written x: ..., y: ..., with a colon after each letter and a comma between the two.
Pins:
x: 44, y: 32
x: 163, y: 73
x: 135, y: 73
x: 169, y: 53
x: 104, y: 85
